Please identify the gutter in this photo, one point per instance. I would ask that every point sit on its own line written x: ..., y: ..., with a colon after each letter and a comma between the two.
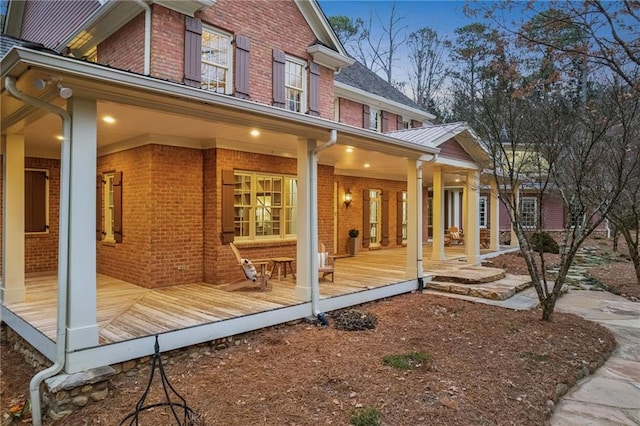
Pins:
x: 147, y: 36
x: 63, y: 247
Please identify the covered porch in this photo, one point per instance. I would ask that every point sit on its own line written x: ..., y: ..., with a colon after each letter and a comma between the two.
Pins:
x: 128, y: 315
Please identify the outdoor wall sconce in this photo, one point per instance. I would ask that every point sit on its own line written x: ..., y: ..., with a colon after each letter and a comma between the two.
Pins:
x: 348, y: 197
x: 64, y: 92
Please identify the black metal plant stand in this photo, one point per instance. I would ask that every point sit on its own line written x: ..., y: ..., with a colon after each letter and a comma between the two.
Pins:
x: 176, y: 407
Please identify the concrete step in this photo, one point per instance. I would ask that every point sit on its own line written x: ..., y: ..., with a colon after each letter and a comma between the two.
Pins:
x: 469, y: 275
x: 500, y: 289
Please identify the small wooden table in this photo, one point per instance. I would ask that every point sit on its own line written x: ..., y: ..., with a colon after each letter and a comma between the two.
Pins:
x: 261, y: 265
x: 279, y: 262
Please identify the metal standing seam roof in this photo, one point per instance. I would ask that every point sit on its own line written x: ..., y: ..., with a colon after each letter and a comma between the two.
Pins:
x: 431, y: 136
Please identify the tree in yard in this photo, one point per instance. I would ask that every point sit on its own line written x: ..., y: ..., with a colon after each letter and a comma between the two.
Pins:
x: 373, y: 43
x: 601, y: 36
x: 427, y: 73
x: 546, y: 141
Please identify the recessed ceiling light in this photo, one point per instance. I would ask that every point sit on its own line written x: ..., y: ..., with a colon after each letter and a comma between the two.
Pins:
x: 349, y: 149
x: 457, y: 179
x: 60, y: 137
x: 255, y: 133
x: 108, y: 119
x: 366, y: 165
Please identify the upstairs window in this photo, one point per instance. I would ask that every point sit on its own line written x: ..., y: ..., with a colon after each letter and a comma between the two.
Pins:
x: 216, y: 61
x: 374, y: 120
x: 295, y: 84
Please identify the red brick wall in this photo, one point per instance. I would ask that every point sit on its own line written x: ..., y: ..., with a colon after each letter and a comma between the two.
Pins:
x: 1, y: 210
x: 125, y: 48
x: 176, y: 215
x: 130, y: 260
x: 351, y: 113
x: 41, y: 250
x: 167, y: 44
x: 351, y: 217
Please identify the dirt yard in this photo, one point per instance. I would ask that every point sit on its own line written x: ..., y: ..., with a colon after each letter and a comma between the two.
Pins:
x: 478, y: 365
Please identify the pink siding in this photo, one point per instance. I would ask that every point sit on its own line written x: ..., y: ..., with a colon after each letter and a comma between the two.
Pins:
x: 552, y: 213
x: 452, y: 149
x: 505, y: 222
x: 50, y: 22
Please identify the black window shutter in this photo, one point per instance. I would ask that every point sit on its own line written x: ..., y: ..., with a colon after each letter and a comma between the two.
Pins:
x: 365, y: 116
x: 228, y: 186
x: 192, y: 51
x: 366, y: 218
x: 278, y: 78
x: 399, y: 204
x: 99, y: 223
x: 243, y: 47
x: 385, y: 218
x: 385, y: 121
x: 314, y: 89
x: 117, y: 206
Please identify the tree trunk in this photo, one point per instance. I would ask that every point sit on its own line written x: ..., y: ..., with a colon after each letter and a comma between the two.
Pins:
x: 548, y: 306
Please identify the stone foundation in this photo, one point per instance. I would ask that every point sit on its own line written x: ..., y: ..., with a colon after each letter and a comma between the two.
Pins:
x: 64, y: 394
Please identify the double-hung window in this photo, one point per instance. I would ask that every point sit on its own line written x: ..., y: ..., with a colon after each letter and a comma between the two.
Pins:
x: 265, y: 206
x: 217, y: 61
x: 529, y: 212
x: 374, y: 120
x: 404, y: 216
x: 482, y: 216
x: 295, y: 83
x: 577, y: 215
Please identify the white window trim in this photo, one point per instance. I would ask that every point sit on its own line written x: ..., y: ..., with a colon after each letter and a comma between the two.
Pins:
x: 305, y: 77
x: 405, y: 216
x: 480, y: 210
x: 46, y: 200
x: 228, y: 89
x: 283, y: 236
x: 377, y: 199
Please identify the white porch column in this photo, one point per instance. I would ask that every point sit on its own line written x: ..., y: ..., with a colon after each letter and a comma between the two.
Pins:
x: 471, y: 236
x: 437, y: 249
x: 82, y: 324
x: 414, y: 219
x: 13, y: 289
x: 459, y: 207
x: 516, y: 198
x: 494, y: 232
x: 307, y: 247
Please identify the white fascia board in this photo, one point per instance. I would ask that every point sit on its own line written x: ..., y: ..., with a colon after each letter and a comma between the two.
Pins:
x: 457, y: 163
x: 186, y: 7
x: 13, y: 19
x: 319, y: 24
x: 19, y: 60
x: 358, y: 95
x: 329, y: 58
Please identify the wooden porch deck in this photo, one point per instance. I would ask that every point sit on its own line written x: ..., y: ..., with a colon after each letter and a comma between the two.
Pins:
x: 126, y: 311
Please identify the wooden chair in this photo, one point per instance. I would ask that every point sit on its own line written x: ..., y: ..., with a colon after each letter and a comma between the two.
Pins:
x: 485, y: 238
x: 325, y: 262
x: 455, y: 235
x: 254, y: 271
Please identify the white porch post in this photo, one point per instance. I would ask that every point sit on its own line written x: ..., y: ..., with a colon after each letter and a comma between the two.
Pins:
x: 13, y: 289
x: 82, y: 324
x: 437, y: 249
x: 471, y: 236
x: 459, y: 206
x: 307, y: 247
x: 494, y: 232
x: 516, y: 199
x: 465, y: 207
x: 414, y: 219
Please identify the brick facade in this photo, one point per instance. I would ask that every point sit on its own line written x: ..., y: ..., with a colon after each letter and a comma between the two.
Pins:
x: 125, y: 48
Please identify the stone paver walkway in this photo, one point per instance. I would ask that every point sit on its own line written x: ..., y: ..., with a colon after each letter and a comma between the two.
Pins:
x: 610, y: 396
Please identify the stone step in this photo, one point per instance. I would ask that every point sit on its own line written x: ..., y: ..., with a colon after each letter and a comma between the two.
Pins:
x: 469, y: 275
x: 500, y: 289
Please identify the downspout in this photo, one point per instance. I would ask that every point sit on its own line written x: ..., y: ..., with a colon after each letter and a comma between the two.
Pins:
x: 315, y: 290
x: 63, y: 245
x: 419, y: 261
x: 147, y: 36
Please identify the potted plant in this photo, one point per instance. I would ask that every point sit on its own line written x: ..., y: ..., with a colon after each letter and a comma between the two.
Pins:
x: 354, y: 242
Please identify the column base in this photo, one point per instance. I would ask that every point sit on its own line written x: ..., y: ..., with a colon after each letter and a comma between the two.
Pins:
x: 82, y: 337
x: 303, y: 294
x: 13, y: 295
